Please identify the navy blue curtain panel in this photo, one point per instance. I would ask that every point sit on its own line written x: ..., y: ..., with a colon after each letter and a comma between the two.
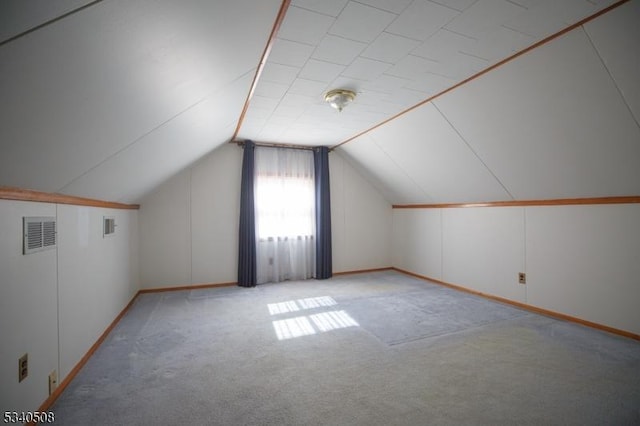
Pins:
x: 247, y: 269
x: 324, y: 267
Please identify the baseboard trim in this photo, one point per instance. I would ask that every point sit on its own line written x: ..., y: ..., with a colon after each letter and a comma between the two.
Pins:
x: 76, y: 369
x: 363, y: 271
x: 186, y: 287
x: 525, y: 306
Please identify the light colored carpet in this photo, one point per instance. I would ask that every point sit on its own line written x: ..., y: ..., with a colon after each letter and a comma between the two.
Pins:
x: 366, y: 349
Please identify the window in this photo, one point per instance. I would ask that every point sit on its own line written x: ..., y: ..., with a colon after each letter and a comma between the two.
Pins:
x: 284, y: 197
x: 285, y: 206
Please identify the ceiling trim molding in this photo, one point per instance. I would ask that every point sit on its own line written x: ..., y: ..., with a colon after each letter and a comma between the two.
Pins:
x: 492, y: 67
x: 527, y: 203
x: 263, y: 60
x: 19, y: 194
x: 49, y: 22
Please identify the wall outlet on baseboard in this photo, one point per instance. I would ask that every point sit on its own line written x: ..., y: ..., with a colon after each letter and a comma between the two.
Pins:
x: 53, y: 381
x: 23, y: 367
x: 522, y: 278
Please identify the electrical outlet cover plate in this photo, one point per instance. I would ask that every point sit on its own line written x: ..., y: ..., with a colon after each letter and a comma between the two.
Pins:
x: 53, y: 381
x: 522, y: 278
x: 23, y: 367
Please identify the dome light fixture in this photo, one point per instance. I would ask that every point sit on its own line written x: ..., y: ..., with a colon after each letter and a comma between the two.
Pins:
x: 339, y: 98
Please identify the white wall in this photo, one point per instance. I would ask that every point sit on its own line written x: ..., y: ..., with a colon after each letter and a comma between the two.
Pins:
x: 97, y: 276
x: 55, y: 304
x: 585, y: 262
x: 189, y: 225
x: 582, y: 261
x: 28, y: 310
x: 360, y: 220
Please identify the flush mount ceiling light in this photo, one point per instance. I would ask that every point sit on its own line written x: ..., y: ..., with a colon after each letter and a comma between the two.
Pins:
x: 339, y: 98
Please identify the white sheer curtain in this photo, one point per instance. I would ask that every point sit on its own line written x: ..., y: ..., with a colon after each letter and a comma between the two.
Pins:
x: 285, y: 214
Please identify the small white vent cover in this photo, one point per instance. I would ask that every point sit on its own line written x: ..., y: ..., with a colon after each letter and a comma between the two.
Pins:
x: 39, y: 234
x: 109, y: 227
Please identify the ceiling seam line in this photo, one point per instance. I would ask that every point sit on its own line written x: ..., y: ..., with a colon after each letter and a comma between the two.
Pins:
x: 383, y: 10
x: 426, y: 194
x: 49, y: 22
x: 486, y: 70
x: 516, y: 4
x: 472, y: 150
x: 613, y: 80
x: 138, y: 139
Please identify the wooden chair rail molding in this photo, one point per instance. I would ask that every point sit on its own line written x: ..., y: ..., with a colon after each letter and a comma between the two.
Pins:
x: 635, y: 199
x: 9, y: 193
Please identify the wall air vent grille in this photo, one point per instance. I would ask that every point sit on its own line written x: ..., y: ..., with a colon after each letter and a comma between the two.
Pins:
x: 39, y: 234
x: 109, y: 227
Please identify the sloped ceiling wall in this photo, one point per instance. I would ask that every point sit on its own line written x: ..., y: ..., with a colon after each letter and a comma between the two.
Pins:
x: 112, y: 100
x: 558, y: 122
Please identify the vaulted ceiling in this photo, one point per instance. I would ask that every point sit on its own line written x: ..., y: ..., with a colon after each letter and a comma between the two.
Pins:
x: 107, y: 99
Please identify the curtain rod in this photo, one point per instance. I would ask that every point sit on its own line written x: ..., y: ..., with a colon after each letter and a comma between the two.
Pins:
x: 278, y: 145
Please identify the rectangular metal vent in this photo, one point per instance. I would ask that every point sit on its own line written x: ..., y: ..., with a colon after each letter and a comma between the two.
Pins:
x: 109, y: 227
x: 39, y: 234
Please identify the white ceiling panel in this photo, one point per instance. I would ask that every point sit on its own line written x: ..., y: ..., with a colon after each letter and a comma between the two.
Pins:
x: 259, y: 114
x: 551, y: 124
x: 436, y: 158
x: 484, y: 15
x: 431, y: 84
x: 458, y: 66
x: 385, y: 83
x: 308, y: 88
x: 291, y: 53
x: 389, y: 48
x: 499, y: 43
x: 361, y: 23
x: 269, y: 89
x: 320, y: 70
x: 84, y: 88
x: 18, y: 16
x: 263, y: 102
x: 366, y: 69
x: 442, y: 43
x: 381, y: 170
x: 411, y: 67
x: 277, y: 73
x: 406, y: 96
x: 394, y: 6
x: 338, y: 50
x: 300, y: 101
x: 422, y: 48
x: 304, y: 26
x: 421, y: 20
x: 456, y: 4
x: 327, y: 7
x: 615, y: 36
x: 549, y: 16
x: 283, y: 115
